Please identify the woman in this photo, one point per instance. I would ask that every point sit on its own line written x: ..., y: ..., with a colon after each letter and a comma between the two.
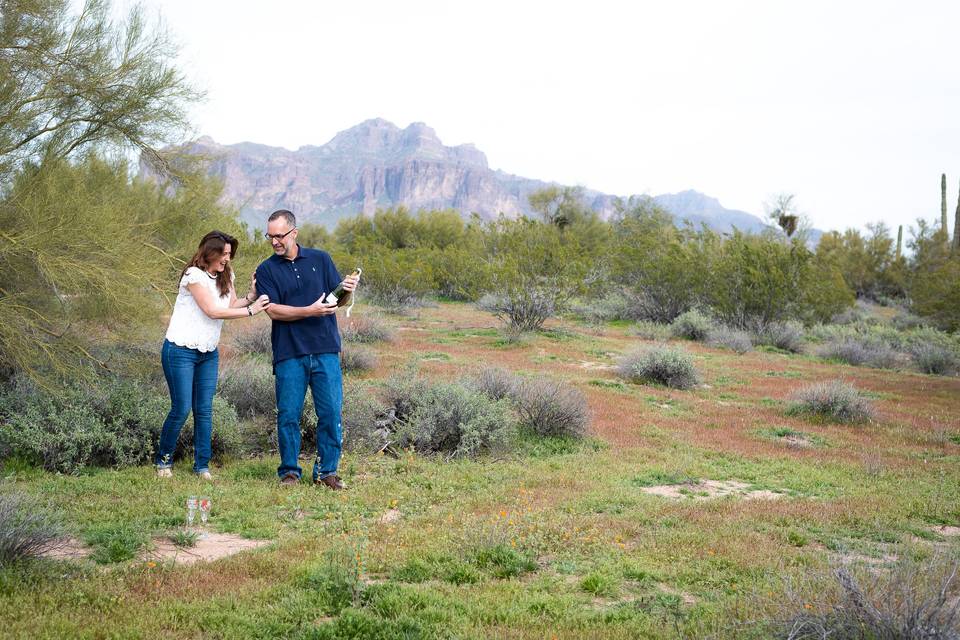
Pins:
x: 206, y: 298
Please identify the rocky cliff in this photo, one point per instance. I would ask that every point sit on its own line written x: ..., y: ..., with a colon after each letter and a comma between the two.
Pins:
x: 378, y: 165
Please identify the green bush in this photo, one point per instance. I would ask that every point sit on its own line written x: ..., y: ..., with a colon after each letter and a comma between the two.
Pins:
x: 835, y: 401
x: 739, y: 341
x: 357, y: 359
x: 249, y: 385
x: 934, y: 359
x: 495, y: 383
x: 254, y: 340
x: 551, y: 408
x: 113, y: 424
x: 614, y: 305
x: 870, y: 353
x: 366, y: 330
x: 226, y: 440
x: 649, y: 330
x: 661, y: 365
x: 365, y: 419
x: 524, y: 310
x: 692, y: 325
x: 452, y: 419
x: 787, y: 336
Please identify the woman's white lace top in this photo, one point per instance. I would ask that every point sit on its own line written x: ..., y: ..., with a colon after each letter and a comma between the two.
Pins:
x: 189, y: 325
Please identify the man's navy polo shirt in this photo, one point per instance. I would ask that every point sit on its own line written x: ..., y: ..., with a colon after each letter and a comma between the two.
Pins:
x: 299, y: 283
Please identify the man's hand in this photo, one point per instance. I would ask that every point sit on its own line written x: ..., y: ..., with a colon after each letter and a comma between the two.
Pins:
x: 320, y: 308
x: 350, y: 282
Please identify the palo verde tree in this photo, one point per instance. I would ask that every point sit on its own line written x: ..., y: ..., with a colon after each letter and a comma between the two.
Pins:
x: 80, y: 240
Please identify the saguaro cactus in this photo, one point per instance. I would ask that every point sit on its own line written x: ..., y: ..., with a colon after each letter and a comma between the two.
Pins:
x: 900, y: 238
x: 943, y: 206
x: 956, y: 227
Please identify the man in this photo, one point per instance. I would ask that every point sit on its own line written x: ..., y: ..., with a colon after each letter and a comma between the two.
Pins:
x: 306, y: 346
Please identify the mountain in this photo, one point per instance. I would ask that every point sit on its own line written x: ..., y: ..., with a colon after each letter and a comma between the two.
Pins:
x: 378, y: 165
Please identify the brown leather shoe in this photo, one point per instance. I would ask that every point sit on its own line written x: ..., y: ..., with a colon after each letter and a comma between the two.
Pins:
x: 333, y: 482
x: 290, y: 478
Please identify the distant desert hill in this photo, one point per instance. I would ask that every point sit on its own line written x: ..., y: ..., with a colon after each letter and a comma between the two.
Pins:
x: 378, y: 165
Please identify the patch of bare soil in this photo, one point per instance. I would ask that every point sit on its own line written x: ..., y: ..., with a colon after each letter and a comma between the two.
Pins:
x: 586, y: 364
x: 706, y: 489
x: 799, y: 442
x: 210, y: 546
x: 68, y: 549
x: 390, y: 515
x: 947, y: 531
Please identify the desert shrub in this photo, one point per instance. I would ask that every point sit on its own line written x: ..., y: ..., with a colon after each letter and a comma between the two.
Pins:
x: 255, y: 339
x: 913, y: 601
x: 551, y: 408
x: 871, y: 353
x: 258, y: 438
x: 692, y: 325
x: 904, y: 321
x: 226, y: 439
x: 665, y: 268
x: 396, y: 279
x: 27, y: 527
x: 453, y: 419
x: 662, y: 365
x: 495, y: 383
x: 249, y: 385
x: 835, y: 400
x: 404, y: 392
x: 357, y: 359
x: 851, y: 315
x: 787, y: 336
x: 734, y: 339
x: 525, y: 310
x: 365, y: 421
x: 934, y: 359
x: 615, y: 305
x: 113, y: 424
x: 366, y: 330
x: 649, y: 330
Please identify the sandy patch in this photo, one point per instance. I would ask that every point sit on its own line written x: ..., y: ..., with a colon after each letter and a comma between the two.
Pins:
x: 391, y: 515
x: 947, y: 531
x: 705, y: 489
x: 796, y: 441
x: 596, y: 366
x: 211, y: 546
x: 68, y: 549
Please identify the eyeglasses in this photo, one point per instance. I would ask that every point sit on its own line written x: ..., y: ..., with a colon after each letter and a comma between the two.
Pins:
x: 278, y: 236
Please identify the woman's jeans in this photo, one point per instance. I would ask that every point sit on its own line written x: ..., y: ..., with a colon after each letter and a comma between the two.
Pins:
x: 321, y: 372
x: 192, y: 378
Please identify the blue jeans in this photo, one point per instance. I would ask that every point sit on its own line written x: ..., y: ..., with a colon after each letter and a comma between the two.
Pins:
x: 192, y: 378
x: 322, y: 373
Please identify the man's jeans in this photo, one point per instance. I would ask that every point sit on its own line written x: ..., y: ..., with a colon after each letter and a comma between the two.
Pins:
x: 322, y: 373
x: 192, y: 378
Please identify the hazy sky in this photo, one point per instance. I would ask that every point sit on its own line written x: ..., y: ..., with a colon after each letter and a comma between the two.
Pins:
x: 853, y: 106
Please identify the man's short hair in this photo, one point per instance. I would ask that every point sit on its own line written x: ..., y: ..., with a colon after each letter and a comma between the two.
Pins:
x: 286, y: 215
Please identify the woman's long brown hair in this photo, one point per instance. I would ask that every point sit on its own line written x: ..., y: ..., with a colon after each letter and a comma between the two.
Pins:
x: 210, y: 249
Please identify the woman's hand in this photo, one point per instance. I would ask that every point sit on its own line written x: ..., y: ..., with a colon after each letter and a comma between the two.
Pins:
x: 261, y: 303
x: 252, y: 293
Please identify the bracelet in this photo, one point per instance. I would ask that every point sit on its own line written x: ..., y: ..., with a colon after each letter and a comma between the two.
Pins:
x: 249, y: 313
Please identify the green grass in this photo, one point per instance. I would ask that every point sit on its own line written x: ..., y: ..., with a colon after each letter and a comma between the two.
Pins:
x: 552, y: 538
